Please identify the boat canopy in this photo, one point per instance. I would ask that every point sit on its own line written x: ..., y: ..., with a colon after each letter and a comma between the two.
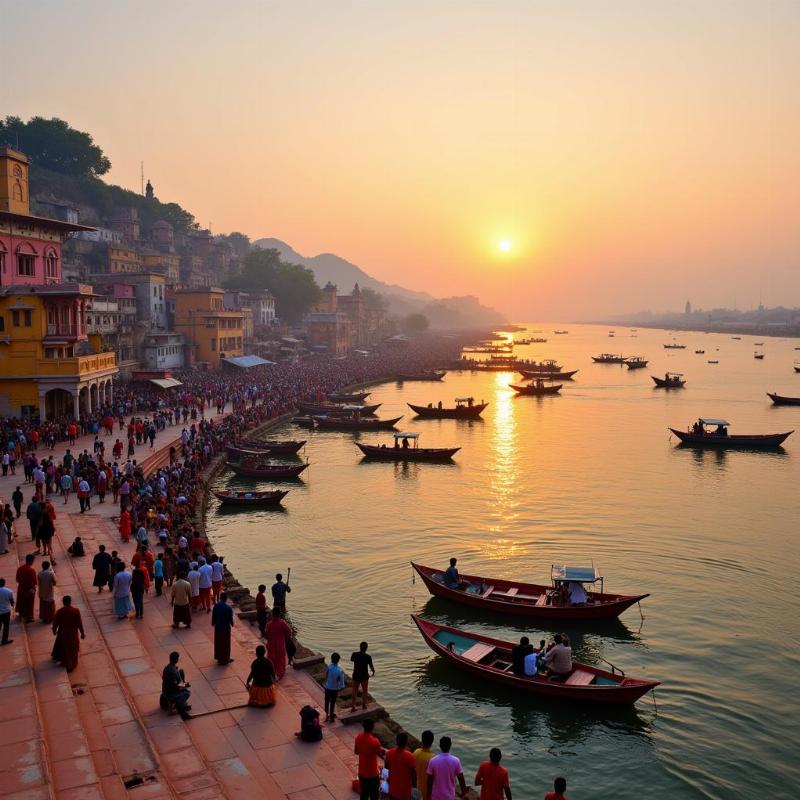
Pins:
x: 406, y: 436
x: 711, y: 421
x: 676, y: 374
x: 464, y: 399
x: 560, y: 572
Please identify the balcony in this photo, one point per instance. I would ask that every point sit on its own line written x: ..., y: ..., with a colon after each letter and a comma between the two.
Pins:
x: 76, y: 367
x: 65, y: 331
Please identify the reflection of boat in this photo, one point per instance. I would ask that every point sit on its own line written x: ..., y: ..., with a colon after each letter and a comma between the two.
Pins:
x: 332, y: 409
x: 355, y: 423
x: 431, y: 375
x: 406, y: 453
x: 608, y: 358
x: 672, y: 380
x: 699, y: 436
x: 530, y: 599
x: 266, y: 471
x: 340, y: 397
x: 250, y: 498
x: 465, y: 408
x: 490, y: 659
x: 536, y: 389
x: 636, y: 362
x: 556, y: 376
x: 780, y: 400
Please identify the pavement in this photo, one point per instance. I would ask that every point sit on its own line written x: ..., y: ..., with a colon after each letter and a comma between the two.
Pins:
x: 98, y: 733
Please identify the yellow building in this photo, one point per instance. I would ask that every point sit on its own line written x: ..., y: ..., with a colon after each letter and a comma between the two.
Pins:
x: 50, y: 365
x: 211, y: 332
x: 123, y: 259
x: 168, y: 264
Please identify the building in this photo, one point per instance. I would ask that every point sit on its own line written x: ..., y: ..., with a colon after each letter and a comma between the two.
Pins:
x: 50, y: 366
x: 163, y: 351
x: 261, y: 303
x: 166, y: 264
x: 122, y: 258
x: 126, y: 222
x: 211, y: 331
x: 125, y: 343
x: 328, y: 328
x: 193, y: 272
x: 30, y: 246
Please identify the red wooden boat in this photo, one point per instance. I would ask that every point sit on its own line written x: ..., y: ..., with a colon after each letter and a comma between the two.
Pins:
x: 335, y: 409
x: 535, y: 390
x: 344, y: 397
x: 719, y: 439
x: 266, y: 471
x: 464, y: 408
x: 551, y: 376
x: 237, y: 453
x: 406, y: 453
x: 275, y: 446
x: 356, y: 424
x: 248, y: 499
x: 490, y: 659
x: 529, y: 599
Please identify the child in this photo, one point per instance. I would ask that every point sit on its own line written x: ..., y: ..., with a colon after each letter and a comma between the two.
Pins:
x: 158, y: 571
x: 334, y: 681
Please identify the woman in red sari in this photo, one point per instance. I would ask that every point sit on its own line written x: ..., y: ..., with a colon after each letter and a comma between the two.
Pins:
x: 125, y: 525
x: 66, y: 627
x: 26, y: 589
x: 278, y: 631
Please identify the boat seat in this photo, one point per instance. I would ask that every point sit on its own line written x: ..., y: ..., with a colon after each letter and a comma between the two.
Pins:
x: 488, y: 591
x: 527, y: 597
x: 542, y: 601
x: 478, y: 651
x: 580, y: 678
x: 508, y: 592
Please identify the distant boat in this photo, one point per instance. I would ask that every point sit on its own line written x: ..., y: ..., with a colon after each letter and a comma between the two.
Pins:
x: 699, y: 436
x: 609, y: 358
x: 759, y: 356
x: 699, y: 352
x: 636, y: 362
x: 714, y: 361
x: 672, y: 380
x: 552, y: 376
x: 736, y: 337
x: 536, y: 390
x: 780, y: 400
x: 674, y: 346
x: 758, y: 344
x: 561, y: 333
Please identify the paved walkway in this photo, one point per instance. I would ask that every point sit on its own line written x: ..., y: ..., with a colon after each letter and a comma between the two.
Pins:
x: 99, y: 733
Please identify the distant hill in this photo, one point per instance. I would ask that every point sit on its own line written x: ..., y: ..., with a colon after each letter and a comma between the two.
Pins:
x: 450, y: 312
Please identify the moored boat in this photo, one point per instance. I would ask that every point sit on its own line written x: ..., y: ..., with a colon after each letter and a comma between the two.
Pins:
x: 609, y: 358
x: 343, y: 397
x: 531, y: 599
x: 465, y: 408
x: 671, y: 380
x: 490, y: 659
x: 553, y: 376
x: 306, y: 421
x: 636, y: 362
x: 700, y: 436
x: 406, y: 452
x: 275, y: 446
x: 429, y: 375
x: 781, y: 400
x: 250, y: 499
x: 335, y: 409
x: 267, y: 471
x: 237, y: 453
x: 537, y: 388
x: 356, y: 423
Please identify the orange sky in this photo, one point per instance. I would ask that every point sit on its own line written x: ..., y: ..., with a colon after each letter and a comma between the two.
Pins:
x: 634, y: 153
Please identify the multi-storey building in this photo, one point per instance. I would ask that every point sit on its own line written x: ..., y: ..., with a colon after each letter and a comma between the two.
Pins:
x: 163, y: 351
x: 328, y: 328
x: 211, y: 332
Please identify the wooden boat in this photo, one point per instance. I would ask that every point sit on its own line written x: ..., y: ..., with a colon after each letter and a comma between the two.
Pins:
x: 333, y: 409
x: 354, y: 424
x: 609, y: 358
x: 672, y: 380
x: 465, y: 408
x: 490, y: 659
x: 535, y: 390
x: 560, y: 333
x: 636, y: 362
x: 699, y: 352
x: 553, y: 376
x: 674, y: 346
x: 699, y: 436
x: 236, y: 453
x: 545, y: 365
x: 342, y: 397
x: 267, y: 471
x: 430, y: 375
x: 780, y: 400
x: 758, y: 356
x: 530, y: 599
x: 303, y: 421
x: 406, y: 453
x: 797, y: 369
x: 249, y: 499
x: 275, y: 446
x: 715, y: 361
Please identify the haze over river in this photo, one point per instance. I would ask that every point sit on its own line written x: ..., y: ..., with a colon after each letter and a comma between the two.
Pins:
x: 590, y: 476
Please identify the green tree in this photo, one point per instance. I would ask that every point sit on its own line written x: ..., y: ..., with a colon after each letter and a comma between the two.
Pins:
x: 416, y: 324
x: 239, y: 241
x: 52, y: 144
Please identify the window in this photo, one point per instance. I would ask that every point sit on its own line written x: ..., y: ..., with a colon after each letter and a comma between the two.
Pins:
x: 15, y: 318
x: 2, y: 323
x: 2, y: 259
x: 213, y: 343
x: 26, y: 264
x: 51, y: 265
x: 27, y: 319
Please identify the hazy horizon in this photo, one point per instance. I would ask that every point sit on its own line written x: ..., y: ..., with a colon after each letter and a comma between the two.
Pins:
x: 557, y: 161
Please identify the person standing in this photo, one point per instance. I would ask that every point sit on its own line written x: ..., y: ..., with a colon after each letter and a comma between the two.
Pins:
x: 402, y: 769
x: 46, y: 532
x: 66, y: 485
x: 3, y: 537
x: 125, y: 525
x: 46, y: 581
x: 84, y: 495
x: 158, y: 573
x: 222, y: 621
x: 121, y: 589
x: 67, y: 624
x: 138, y: 581
x: 422, y: 755
x: 279, y: 591
x: 444, y: 770
x: 26, y: 589
x: 204, y: 584
x: 34, y: 514
x: 101, y: 564
x: 17, y: 500
x: 278, y: 631
x: 180, y: 600
x: 261, y: 610
x: 368, y: 749
x: 194, y: 581
x: 217, y: 575
x: 260, y: 682
x: 362, y: 667
x: 6, y: 605
x: 492, y: 778
x: 559, y: 787
x: 334, y: 683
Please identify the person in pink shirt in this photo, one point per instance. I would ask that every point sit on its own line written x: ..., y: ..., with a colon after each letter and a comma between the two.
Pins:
x: 443, y: 771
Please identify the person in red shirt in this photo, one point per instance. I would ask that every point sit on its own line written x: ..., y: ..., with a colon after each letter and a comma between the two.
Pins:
x: 368, y: 748
x: 560, y: 786
x: 402, y: 768
x: 492, y: 778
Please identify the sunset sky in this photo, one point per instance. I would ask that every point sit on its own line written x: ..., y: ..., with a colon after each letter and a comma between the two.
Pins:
x: 628, y: 155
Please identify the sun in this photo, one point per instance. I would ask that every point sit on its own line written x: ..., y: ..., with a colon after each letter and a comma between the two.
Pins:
x: 504, y: 245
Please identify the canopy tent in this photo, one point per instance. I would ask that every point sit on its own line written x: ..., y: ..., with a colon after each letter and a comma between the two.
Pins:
x: 246, y: 362
x: 559, y: 572
x: 406, y: 436
x: 710, y: 421
x: 464, y: 399
x: 165, y: 383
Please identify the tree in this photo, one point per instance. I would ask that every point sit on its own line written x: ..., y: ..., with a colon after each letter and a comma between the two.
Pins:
x: 239, y: 241
x: 416, y: 324
x: 373, y: 300
x: 52, y: 144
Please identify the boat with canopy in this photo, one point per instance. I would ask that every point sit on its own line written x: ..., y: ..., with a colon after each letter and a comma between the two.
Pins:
x: 536, y: 389
x: 609, y: 358
x: 671, y: 380
x: 635, y: 362
x: 465, y: 408
x: 699, y: 435
x: 406, y: 448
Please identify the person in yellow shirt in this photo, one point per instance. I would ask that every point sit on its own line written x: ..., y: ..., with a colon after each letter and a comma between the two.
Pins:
x: 422, y: 755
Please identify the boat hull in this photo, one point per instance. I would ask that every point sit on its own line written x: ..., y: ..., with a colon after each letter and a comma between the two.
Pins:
x: 616, y: 690
x: 348, y: 398
x: 257, y: 499
x: 421, y: 376
x: 277, y: 473
x: 606, y: 606
x: 276, y: 446
x: 407, y: 454
x: 343, y: 424
x: 662, y: 384
x: 780, y: 400
x: 768, y: 441
x: 536, y: 391
x: 462, y: 412
x: 552, y: 376
x: 333, y: 410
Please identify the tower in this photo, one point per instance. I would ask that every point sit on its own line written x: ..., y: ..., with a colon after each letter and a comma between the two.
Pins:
x: 148, y: 190
x: 688, y: 308
x: 14, y: 167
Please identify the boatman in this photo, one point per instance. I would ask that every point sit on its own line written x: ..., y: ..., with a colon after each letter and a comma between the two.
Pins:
x: 452, y: 580
x: 279, y: 590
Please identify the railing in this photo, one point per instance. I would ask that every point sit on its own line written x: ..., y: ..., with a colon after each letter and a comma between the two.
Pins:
x: 58, y: 330
x: 76, y: 366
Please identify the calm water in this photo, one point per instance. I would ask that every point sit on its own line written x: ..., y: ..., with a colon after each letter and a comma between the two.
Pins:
x: 589, y: 476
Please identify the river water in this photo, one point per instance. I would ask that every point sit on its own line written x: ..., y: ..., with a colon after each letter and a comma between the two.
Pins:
x: 590, y: 476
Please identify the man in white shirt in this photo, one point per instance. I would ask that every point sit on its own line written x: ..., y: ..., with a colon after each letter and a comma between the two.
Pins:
x: 206, y: 572
x: 194, y: 581
x: 6, y: 604
x: 217, y: 574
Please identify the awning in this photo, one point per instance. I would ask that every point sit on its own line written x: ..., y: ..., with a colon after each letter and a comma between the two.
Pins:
x: 711, y: 421
x: 560, y: 572
x: 165, y: 383
x: 245, y: 362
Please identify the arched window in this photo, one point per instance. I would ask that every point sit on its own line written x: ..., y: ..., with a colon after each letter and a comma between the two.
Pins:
x: 50, y: 263
x: 17, y: 192
x: 3, y: 252
x: 26, y: 260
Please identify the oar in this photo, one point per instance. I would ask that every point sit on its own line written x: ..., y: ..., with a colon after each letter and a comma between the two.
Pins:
x: 288, y: 575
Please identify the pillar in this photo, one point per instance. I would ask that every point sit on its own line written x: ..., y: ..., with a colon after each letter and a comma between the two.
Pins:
x: 76, y: 395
